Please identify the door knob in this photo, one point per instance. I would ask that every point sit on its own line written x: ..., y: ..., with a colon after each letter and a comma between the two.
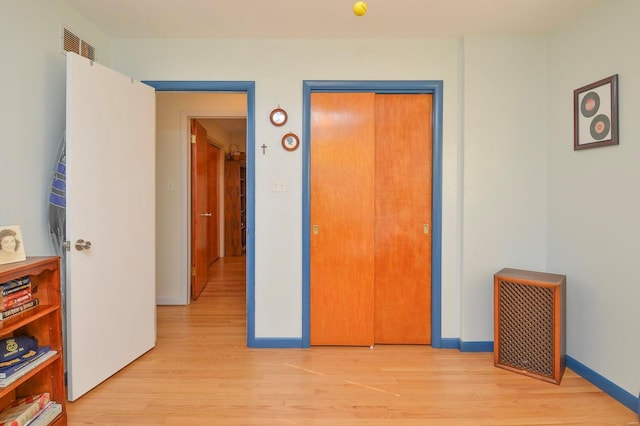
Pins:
x: 83, y: 245
x: 205, y: 214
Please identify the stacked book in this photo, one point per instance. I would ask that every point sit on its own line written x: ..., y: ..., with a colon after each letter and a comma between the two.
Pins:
x: 15, y: 297
x: 32, y: 410
x: 12, y: 370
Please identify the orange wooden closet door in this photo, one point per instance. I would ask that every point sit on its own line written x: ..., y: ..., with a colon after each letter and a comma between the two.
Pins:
x: 370, y: 263
x: 341, y: 264
x: 403, y: 219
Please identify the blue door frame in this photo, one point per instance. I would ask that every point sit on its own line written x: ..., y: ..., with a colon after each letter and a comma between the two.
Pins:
x: 248, y: 87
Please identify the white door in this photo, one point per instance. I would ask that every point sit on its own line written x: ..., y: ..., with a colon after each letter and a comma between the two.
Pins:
x: 110, y: 293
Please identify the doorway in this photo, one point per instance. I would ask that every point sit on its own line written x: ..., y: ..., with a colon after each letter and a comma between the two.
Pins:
x: 378, y: 87
x: 178, y: 181
x: 214, y: 193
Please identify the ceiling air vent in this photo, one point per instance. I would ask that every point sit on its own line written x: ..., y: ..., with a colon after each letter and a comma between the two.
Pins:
x: 73, y: 43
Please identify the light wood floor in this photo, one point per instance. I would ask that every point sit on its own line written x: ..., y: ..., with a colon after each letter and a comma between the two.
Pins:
x: 202, y: 373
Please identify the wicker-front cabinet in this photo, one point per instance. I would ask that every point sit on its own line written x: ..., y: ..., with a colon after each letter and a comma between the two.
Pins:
x: 43, y: 322
x: 529, y: 323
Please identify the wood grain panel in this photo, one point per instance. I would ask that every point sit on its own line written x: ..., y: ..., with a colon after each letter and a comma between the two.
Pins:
x: 199, y: 205
x: 402, y: 209
x: 342, y: 160
x: 213, y: 192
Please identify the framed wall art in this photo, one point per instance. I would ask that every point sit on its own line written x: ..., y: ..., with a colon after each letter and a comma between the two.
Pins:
x: 11, y: 246
x: 290, y: 141
x: 595, y: 114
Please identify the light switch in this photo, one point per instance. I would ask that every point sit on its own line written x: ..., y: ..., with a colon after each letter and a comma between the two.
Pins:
x: 171, y: 186
x: 278, y: 184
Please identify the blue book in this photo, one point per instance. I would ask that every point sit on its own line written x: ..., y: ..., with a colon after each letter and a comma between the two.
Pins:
x: 14, y: 368
x: 15, y: 283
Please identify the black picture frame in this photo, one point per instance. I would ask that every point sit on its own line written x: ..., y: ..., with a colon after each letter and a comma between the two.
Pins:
x: 595, y: 114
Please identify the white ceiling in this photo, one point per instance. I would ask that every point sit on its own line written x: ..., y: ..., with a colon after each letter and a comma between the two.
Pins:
x: 304, y: 19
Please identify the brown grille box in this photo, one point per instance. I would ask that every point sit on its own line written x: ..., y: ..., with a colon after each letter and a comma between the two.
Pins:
x: 529, y: 323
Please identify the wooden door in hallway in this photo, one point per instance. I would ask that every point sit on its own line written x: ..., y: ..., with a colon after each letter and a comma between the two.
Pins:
x: 370, y: 265
x: 199, y: 209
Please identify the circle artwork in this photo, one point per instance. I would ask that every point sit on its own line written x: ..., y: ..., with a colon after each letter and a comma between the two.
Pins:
x: 590, y: 104
x: 290, y: 142
x: 600, y: 127
x: 278, y: 117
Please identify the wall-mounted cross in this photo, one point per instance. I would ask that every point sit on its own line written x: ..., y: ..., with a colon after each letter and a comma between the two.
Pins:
x: 264, y: 147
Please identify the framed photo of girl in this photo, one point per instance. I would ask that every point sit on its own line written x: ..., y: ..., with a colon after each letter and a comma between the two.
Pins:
x: 11, y: 247
x: 595, y: 114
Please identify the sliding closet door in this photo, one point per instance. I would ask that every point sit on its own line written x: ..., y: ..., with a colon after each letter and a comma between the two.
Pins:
x: 403, y: 176
x: 342, y: 179
x: 371, y: 171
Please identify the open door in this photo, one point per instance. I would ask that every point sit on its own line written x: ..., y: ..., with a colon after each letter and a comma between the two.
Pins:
x: 111, y: 310
x: 200, y: 216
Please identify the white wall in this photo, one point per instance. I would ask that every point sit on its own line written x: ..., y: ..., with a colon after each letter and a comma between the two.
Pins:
x: 593, y: 225
x: 278, y: 67
x: 32, y: 109
x: 173, y: 109
x: 505, y: 164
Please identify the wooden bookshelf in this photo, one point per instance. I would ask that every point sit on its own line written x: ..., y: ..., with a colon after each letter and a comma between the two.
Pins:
x: 44, y: 322
x: 235, y: 207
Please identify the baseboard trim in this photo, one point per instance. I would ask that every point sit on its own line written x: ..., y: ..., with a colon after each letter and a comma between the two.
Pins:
x: 449, y: 343
x: 604, y: 384
x: 476, y: 346
x: 275, y: 343
x: 453, y: 343
x: 169, y: 301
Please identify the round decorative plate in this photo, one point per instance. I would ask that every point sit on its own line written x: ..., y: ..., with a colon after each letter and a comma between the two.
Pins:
x: 290, y: 142
x: 278, y: 117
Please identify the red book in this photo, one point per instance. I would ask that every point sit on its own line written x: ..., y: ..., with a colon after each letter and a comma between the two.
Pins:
x: 9, y: 292
x: 15, y: 301
x: 19, y: 293
x: 19, y: 308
